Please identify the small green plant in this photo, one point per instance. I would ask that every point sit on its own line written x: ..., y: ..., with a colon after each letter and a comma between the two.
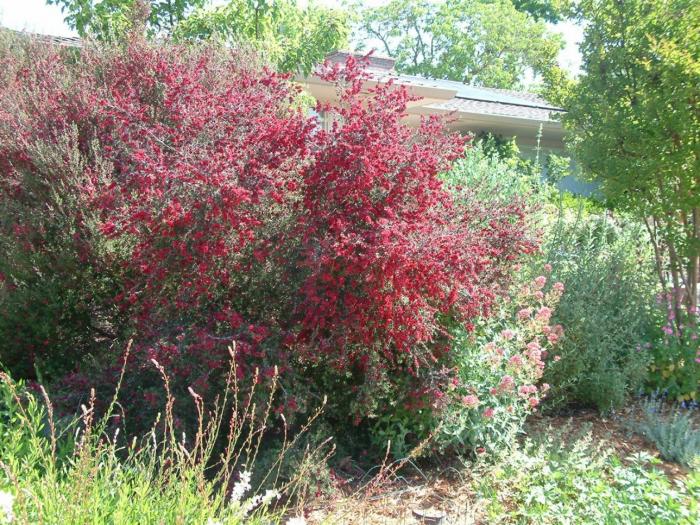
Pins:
x: 402, y: 429
x: 671, y: 429
x: 553, y: 480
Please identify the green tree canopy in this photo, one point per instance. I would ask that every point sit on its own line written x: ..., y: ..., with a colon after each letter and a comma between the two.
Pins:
x: 634, y: 116
x: 479, y: 42
x: 290, y: 36
x: 549, y: 10
x: 106, y: 18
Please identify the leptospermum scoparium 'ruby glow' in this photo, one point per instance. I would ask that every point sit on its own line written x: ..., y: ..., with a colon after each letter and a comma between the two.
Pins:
x: 232, y: 216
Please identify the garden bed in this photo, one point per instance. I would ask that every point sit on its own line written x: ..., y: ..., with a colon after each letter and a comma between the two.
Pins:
x: 453, y: 490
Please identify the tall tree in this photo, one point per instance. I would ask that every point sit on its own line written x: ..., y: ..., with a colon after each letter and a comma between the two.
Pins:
x: 480, y: 42
x: 290, y: 36
x: 635, y: 121
x: 549, y: 10
x: 107, y: 18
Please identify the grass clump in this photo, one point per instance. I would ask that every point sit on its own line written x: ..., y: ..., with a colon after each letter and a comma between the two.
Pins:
x: 83, y: 470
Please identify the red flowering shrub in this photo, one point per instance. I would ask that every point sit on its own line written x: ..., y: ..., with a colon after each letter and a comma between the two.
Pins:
x: 227, y: 215
x: 56, y: 283
x: 391, y: 255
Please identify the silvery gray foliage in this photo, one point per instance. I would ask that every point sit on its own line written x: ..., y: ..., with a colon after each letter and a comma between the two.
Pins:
x: 672, y: 431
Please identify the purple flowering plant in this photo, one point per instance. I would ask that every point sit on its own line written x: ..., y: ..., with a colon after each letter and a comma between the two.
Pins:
x: 675, y: 368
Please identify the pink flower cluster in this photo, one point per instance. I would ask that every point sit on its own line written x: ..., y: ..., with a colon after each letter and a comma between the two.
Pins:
x: 544, y: 314
x: 507, y: 384
x: 524, y: 313
x: 470, y: 401
x: 507, y: 334
x: 518, y: 353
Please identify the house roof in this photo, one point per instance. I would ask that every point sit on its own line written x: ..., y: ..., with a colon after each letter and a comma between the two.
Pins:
x: 459, y: 97
x: 67, y: 41
x: 506, y: 109
x: 491, y: 101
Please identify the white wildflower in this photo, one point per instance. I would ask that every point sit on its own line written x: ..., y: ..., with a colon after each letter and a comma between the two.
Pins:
x: 299, y: 520
x: 241, y: 487
x: 7, y: 500
x: 251, y: 504
x: 269, y: 496
x: 213, y: 522
x: 263, y: 501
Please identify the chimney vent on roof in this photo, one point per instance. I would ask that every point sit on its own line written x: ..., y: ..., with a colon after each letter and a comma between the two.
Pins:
x: 376, y: 62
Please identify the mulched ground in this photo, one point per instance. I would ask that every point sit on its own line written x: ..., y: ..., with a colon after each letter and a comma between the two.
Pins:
x: 613, y: 430
x: 446, y: 487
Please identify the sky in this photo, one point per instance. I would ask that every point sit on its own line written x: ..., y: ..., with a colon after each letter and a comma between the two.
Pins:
x: 36, y: 16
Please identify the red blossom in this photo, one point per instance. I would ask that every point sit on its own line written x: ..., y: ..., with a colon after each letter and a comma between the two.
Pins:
x: 232, y: 217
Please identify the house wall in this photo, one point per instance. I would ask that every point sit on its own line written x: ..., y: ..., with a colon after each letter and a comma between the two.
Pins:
x: 571, y: 183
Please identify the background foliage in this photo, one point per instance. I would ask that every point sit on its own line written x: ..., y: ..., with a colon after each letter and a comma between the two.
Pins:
x: 290, y: 36
x: 472, y: 41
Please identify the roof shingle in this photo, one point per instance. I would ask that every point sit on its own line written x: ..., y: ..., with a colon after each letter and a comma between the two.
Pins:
x: 465, y: 105
x: 67, y: 41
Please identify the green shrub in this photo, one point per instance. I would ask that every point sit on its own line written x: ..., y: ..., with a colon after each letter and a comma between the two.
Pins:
x: 551, y: 481
x: 671, y: 430
x: 676, y: 357
x: 607, y: 309
x: 497, y: 175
